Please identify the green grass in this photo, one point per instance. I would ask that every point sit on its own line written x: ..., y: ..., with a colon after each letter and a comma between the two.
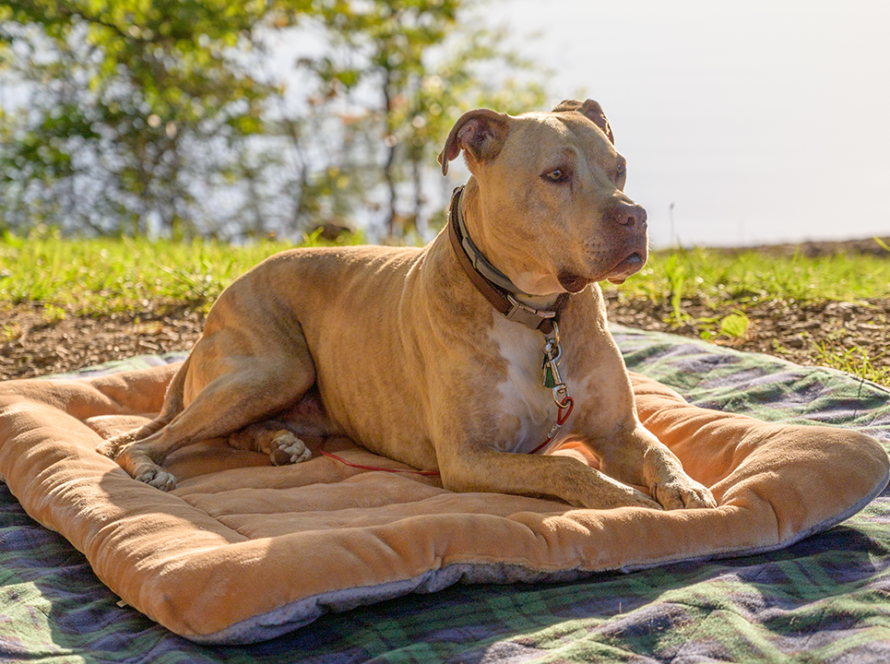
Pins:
x: 855, y: 360
x: 736, y: 282
x: 720, y: 278
x: 101, y: 276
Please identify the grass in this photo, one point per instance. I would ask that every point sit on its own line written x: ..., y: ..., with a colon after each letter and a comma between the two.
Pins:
x: 854, y: 360
x: 102, y: 276
x: 719, y: 278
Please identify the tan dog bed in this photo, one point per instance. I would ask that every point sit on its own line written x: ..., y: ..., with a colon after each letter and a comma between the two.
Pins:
x: 246, y: 551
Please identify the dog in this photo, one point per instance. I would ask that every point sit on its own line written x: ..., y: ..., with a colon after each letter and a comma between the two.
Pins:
x: 469, y: 356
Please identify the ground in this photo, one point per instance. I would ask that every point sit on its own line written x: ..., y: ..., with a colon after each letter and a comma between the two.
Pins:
x: 842, y: 335
x: 35, y: 346
x: 34, y: 342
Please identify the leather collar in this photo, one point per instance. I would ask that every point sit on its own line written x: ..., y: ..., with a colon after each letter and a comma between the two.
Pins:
x: 491, y: 282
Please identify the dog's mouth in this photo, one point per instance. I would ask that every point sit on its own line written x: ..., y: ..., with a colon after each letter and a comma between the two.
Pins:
x: 630, y: 264
x: 575, y: 283
x: 625, y: 268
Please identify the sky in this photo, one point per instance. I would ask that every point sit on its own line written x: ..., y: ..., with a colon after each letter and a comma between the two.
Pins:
x: 744, y: 122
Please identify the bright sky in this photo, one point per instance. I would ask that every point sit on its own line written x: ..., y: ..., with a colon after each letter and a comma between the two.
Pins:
x: 760, y: 120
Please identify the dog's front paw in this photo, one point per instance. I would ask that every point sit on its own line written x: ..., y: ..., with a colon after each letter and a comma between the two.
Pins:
x: 683, y: 493
x: 158, y: 478
x: 286, y: 448
x: 609, y: 493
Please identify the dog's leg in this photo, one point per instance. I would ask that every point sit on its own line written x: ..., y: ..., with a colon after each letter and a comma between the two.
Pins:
x: 234, y: 392
x: 638, y: 457
x: 171, y: 407
x: 538, y: 476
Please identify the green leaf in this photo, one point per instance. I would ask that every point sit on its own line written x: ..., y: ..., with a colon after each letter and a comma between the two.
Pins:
x: 735, y: 325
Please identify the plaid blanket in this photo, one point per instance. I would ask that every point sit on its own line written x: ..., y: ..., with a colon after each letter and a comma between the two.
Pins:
x: 823, y: 599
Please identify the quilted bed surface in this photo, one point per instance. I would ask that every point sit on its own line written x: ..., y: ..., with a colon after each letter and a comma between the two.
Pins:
x: 242, y: 551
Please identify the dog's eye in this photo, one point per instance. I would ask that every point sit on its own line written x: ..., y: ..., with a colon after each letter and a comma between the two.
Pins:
x: 557, y: 175
x: 622, y: 170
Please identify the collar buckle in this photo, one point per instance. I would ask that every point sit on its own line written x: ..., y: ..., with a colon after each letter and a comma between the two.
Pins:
x: 528, y: 316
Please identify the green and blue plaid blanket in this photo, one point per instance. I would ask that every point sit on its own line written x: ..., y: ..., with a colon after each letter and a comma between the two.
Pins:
x: 824, y: 599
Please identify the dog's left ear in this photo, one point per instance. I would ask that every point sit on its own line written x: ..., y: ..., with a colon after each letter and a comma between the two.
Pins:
x: 482, y: 133
x: 591, y: 110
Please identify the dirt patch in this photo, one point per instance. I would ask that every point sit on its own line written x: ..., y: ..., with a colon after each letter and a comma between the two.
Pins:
x: 35, y: 341
x: 843, y: 335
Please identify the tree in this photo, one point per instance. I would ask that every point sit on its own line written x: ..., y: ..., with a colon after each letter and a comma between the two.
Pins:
x: 400, y: 72
x: 138, y: 116
x: 132, y: 108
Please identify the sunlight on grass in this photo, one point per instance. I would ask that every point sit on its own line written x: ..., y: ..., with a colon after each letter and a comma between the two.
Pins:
x: 100, y: 276
x: 855, y: 361
x: 105, y: 275
x: 717, y: 278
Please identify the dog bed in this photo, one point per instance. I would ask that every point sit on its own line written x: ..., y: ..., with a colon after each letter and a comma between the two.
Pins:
x: 247, y: 552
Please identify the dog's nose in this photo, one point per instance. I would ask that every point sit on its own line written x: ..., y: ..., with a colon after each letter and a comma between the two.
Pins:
x: 628, y: 214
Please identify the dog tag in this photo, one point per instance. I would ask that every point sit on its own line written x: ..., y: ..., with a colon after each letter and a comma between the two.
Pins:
x: 549, y: 380
x: 552, y: 353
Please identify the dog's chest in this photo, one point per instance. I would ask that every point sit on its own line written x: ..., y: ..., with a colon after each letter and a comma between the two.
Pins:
x: 524, y: 399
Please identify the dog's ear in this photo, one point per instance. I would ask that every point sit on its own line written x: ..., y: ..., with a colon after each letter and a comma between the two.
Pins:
x: 481, y: 133
x: 591, y: 110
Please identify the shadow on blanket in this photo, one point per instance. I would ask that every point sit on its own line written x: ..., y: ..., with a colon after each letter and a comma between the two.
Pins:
x: 242, y: 551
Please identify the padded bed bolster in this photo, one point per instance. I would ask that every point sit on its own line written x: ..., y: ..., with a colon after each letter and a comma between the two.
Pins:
x: 242, y: 551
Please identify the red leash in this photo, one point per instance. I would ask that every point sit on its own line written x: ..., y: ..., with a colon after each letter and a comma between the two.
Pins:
x: 565, y: 409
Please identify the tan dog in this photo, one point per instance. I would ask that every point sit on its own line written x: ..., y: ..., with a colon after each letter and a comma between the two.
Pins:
x: 425, y: 359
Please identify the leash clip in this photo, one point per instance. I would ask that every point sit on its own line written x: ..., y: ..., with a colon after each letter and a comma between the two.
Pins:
x: 552, y: 377
x: 552, y: 380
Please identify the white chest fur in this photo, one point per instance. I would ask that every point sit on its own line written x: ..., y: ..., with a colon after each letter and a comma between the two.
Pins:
x: 522, y: 392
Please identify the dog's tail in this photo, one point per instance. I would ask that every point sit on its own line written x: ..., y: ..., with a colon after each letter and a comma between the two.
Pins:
x: 173, y: 405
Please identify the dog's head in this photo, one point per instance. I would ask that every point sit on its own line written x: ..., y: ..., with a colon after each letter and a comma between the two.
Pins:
x: 546, y: 202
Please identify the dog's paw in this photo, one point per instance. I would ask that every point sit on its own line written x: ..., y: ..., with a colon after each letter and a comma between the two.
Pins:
x: 635, y: 498
x: 158, y: 478
x: 609, y: 493
x: 143, y: 469
x: 107, y: 448
x: 286, y: 448
x: 683, y: 493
